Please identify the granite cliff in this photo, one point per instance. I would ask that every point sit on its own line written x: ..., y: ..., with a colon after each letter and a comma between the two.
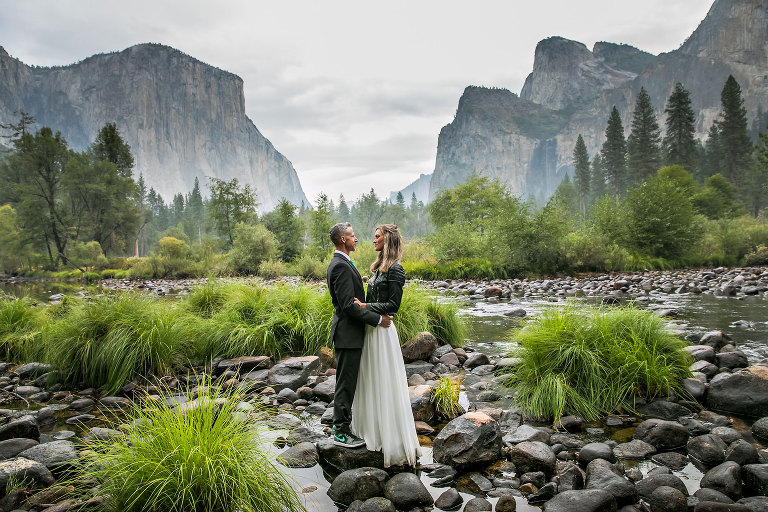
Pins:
x: 527, y: 140
x: 182, y: 118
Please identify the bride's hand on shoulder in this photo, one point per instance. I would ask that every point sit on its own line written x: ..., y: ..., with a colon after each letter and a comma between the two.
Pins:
x: 361, y: 304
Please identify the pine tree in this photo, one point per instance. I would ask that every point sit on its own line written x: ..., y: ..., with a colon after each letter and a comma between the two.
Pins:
x: 713, y: 157
x: 736, y: 148
x: 644, y: 142
x: 614, y: 154
x: 343, y: 209
x: 679, y: 141
x: 581, y: 173
x: 195, y: 210
x: 400, y: 200
x: 597, y: 181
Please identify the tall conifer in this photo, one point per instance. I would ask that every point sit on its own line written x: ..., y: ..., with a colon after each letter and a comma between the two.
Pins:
x: 735, y: 145
x: 597, y: 183
x: 614, y: 154
x: 679, y: 141
x: 581, y: 173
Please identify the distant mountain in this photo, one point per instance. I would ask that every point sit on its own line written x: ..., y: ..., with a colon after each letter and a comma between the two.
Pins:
x: 420, y: 187
x: 527, y: 141
x: 182, y: 118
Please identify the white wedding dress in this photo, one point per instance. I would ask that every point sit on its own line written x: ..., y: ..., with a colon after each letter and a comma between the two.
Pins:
x: 381, y: 409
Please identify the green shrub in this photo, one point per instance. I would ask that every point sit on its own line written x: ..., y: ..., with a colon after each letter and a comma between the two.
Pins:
x: 445, y: 396
x: 252, y: 245
x: 309, y: 267
x: 590, y: 361
x: 758, y: 257
x: 20, y: 329
x: 271, y: 269
x: 91, y: 277
x: 203, y: 456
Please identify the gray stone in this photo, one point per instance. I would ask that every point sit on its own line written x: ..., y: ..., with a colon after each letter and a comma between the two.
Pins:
x: 526, y: 433
x: 663, y: 410
x: 742, y: 452
x: 753, y: 504
x: 744, y: 392
x: 24, y: 469
x: 661, y: 434
x: 421, y: 346
x: 570, y: 424
x: 293, y: 373
x: 10, y: 448
x: 244, y: 364
x: 357, y: 484
x: 471, y: 439
x: 725, y: 478
x: 55, y: 456
x: 325, y: 390
x: 284, y: 420
x: 592, y: 500
x: 727, y: 434
x: 422, y: 406
x: 533, y: 456
x: 601, y: 474
x: 102, y: 435
x: 755, y: 478
x: 478, y: 505
x: 760, y: 428
x: 668, y: 499
x: 476, y: 359
x: 82, y: 404
x: 714, y: 339
x: 634, y: 449
x: 731, y: 360
x: 344, y: 459
x: 592, y: 451
x: 376, y: 504
x: 25, y: 426
x: 705, y: 494
x: 708, y: 449
x: 570, y: 477
x: 449, y: 500
x: 417, y: 368
x: 672, y: 460
x: 694, y: 387
x: 302, y: 455
x: 647, y: 485
x: 701, y: 353
x: 115, y: 403
x: 406, y: 491
x: 29, y: 370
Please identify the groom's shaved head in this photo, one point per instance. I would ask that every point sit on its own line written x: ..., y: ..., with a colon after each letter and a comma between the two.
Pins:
x: 339, y: 230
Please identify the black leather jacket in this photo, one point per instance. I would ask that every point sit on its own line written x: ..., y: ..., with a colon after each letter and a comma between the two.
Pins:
x: 385, y: 290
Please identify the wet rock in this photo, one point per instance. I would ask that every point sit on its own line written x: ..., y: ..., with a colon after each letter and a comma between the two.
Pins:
x: 450, y: 359
x: 100, y: 434
x: 476, y: 359
x: 287, y: 395
x: 449, y: 500
x: 418, y: 368
x: 284, y: 420
x: 701, y: 353
x: 443, y: 476
x: 82, y: 404
x: 357, y: 484
x: 601, y: 474
x: 647, y: 485
x: 661, y: 434
x: 302, y: 455
x: 708, y: 449
x: 705, y: 494
x: 80, y: 419
x: 56, y: 455
x: 706, y: 368
x: 293, y: 372
x: 668, y: 499
x: 482, y: 483
x: 592, y: 500
x: 544, y: 494
x: 406, y: 491
x: 712, y: 506
x: 760, y: 428
x: 21, y: 469
x: 663, y: 410
x: 714, y: 339
x: 570, y: 424
x: 571, y: 477
x: 526, y: 433
x: 421, y: 346
x: 478, y: 505
x: 727, y: 434
x: 375, y: 504
x: 754, y: 504
x: 473, y: 438
x: 345, y: 459
x: 325, y: 390
x: 10, y: 448
x: 115, y: 403
x: 25, y: 426
x: 695, y: 388
x: 732, y: 360
x: 743, y: 392
x: 672, y: 460
x: 243, y: 364
x: 422, y: 406
x: 725, y: 478
x: 516, y: 312
x: 755, y: 478
x: 635, y: 450
x: 30, y: 370
x: 533, y: 456
x: 742, y: 452
x: 592, y: 451
x: 506, y: 503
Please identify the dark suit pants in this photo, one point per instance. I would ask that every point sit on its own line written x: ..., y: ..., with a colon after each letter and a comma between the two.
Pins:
x: 347, y: 368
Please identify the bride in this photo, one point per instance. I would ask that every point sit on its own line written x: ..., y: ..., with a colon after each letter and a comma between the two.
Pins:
x: 381, y: 409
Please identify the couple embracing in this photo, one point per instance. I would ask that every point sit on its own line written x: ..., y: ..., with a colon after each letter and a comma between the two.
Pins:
x: 371, y: 403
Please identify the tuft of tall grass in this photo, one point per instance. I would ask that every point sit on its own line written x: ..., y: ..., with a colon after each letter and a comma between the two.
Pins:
x: 20, y: 329
x: 207, y: 299
x: 113, y: 338
x: 202, y: 456
x: 445, y: 396
x: 421, y: 312
x: 590, y: 361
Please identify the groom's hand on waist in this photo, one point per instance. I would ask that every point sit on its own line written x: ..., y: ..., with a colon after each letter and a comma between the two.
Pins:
x: 386, y: 321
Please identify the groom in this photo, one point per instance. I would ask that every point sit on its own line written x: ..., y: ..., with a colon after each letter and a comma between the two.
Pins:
x: 347, y: 329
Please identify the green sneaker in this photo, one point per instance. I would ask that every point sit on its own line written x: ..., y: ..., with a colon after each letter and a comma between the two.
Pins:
x: 347, y: 440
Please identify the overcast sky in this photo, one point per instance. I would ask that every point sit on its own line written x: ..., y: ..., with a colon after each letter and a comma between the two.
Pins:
x: 354, y: 93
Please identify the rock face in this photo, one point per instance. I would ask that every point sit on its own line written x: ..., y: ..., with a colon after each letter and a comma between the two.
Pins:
x: 527, y: 141
x: 182, y: 118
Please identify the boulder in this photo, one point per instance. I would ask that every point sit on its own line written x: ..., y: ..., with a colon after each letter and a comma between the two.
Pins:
x: 30, y: 370
x: 56, y: 455
x: 325, y: 390
x: 663, y: 410
x: 592, y: 451
x: 672, y: 460
x: 707, y: 449
x: 526, y: 433
x: 731, y: 360
x: 476, y: 359
x: 755, y: 478
x: 449, y: 500
x: 753, y: 504
x: 647, y: 485
x: 12, y: 447
x: 21, y: 469
x: 634, y: 449
x: 744, y: 392
x: 357, y: 484
x: 601, y: 474
x: 714, y: 339
x: 102, y: 435
x: 725, y: 478
x: 375, y: 504
x: 668, y: 499
x: 705, y: 494
x: 25, y: 426
x: 701, y: 353
x: 302, y: 455
x: 661, y: 434
x: 243, y: 364
x: 293, y: 372
x: 694, y: 387
x: 419, y: 347
x: 406, y: 491
x: 742, y: 452
x: 344, y: 459
x: 422, y: 406
x: 571, y: 477
x: 760, y: 428
x: 471, y: 439
x: 591, y: 500
x: 533, y: 456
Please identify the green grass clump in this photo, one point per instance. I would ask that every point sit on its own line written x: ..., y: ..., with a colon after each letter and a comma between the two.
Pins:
x: 445, y: 396
x: 207, y: 299
x: 111, y: 339
x: 421, y: 312
x: 203, y: 456
x: 591, y: 361
x: 20, y: 329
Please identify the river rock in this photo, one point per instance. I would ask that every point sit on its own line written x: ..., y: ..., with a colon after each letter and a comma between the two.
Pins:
x: 406, y: 491
x: 56, y: 455
x: 570, y: 477
x: 668, y: 499
x: 592, y: 451
x: 708, y: 449
x: 478, y: 505
x: 663, y: 410
x: 727, y: 434
x: 701, y: 353
x: 731, y: 360
x: 591, y: 500
x: 705, y: 368
x: 634, y: 449
x: 476, y: 359
x: 293, y: 372
x: 694, y: 387
x: 102, y: 435
x: 755, y: 478
x: 357, y: 484
x: 714, y: 339
x: 647, y: 485
x: 760, y: 428
x: 533, y: 456
x: 601, y: 474
x: 742, y: 452
x: 450, y: 359
x: 570, y: 424
x: 526, y: 433
x: 302, y: 455
x: 753, y: 504
x: 672, y: 460
x: 422, y: 406
x: 506, y: 502
x: 471, y: 439
x: 725, y: 478
x: 243, y: 364
x: 375, y: 504
x: 325, y: 390
x: 25, y: 426
x: 744, y: 392
x: 449, y: 500
x: 421, y: 346
x: 24, y: 469
x: 82, y: 404
x: 29, y: 370
x: 115, y: 403
x: 10, y: 448
x: 418, y: 368
x: 713, y: 506
x: 661, y: 434
x: 705, y: 494
x: 344, y: 459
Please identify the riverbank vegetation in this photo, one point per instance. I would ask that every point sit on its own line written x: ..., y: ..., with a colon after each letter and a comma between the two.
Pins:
x: 644, y: 201
x: 111, y: 339
x: 593, y: 361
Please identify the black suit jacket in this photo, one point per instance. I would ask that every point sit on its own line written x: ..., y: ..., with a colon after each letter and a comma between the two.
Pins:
x: 349, y: 319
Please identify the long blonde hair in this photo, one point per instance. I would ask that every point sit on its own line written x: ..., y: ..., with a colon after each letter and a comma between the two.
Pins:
x: 393, y: 248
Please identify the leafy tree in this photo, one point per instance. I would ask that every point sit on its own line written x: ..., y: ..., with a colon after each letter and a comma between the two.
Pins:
x: 717, y: 199
x: 680, y: 177
x: 597, y: 181
x: 254, y: 243
x: 321, y: 220
x: 110, y: 146
x: 13, y: 249
x: 614, y: 154
x: 644, y: 142
x: 679, y: 141
x: 229, y: 205
x: 735, y: 145
x: 661, y: 218
x: 288, y: 229
x: 608, y: 216
x: 582, y: 176
x: 568, y: 196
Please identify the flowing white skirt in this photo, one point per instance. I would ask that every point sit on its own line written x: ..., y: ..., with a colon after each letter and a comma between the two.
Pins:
x: 381, y: 409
